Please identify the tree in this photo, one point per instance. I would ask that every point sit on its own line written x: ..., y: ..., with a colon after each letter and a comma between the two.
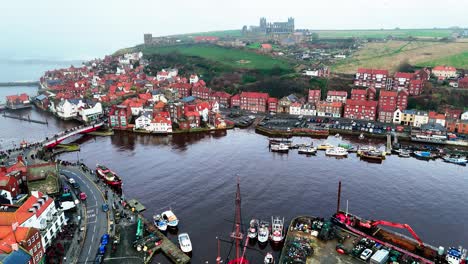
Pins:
x: 405, y: 66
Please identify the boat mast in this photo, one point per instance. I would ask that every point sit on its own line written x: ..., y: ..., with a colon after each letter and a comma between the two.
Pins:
x: 237, y: 234
x: 218, y: 259
x: 339, y: 198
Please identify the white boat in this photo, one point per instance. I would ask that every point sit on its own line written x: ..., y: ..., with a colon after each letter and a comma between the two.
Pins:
x: 455, y: 160
x: 337, y: 135
x: 253, y: 229
x: 171, y: 218
x: 325, y: 146
x: 185, y: 243
x: 281, y: 147
x: 361, y: 136
x: 160, y: 223
x: 263, y: 232
x: 337, y: 152
x: 277, y: 229
x: 364, y: 149
x: 404, y: 153
x: 307, y: 150
x: 269, y: 259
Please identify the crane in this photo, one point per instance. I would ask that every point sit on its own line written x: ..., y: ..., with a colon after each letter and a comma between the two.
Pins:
x: 375, y: 223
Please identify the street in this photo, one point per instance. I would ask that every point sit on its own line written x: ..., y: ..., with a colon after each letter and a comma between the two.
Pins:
x: 95, y: 217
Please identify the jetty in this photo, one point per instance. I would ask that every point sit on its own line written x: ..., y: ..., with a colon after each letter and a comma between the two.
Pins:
x: 28, y: 119
x: 169, y: 249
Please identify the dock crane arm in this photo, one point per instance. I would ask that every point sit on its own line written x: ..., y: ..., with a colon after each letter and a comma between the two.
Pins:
x: 398, y: 225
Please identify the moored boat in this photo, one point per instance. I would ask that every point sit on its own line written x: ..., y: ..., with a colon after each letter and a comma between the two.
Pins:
x: 307, y: 150
x: 184, y: 242
x: 455, y: 160
x: 336, y: 152
x: 269, y: 259
x: 171, y: 218
x: 325, y: 146
x: 283, y: 148
x: 108, y: 176
x: 263, y: 232
x: 425, y: 155
x: 403, y: 153
x: 159, y: 222
x: 374, y: 155
x: 253, y: 229
x: 364, y: 148
x: 277, y: 229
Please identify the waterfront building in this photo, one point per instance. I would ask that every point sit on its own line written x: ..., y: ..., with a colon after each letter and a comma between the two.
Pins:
x: 39, y: 212
x: 21, y: 245
x: 144, y: 120
x: 457, y: 126
x: 308, y: 110
x: 235, y: 101
x: 160, y: 124
x: 371, y: 78
x: 337, y: 96
x: 444, y: 72
x: 253, y: 101
x: 295, y: 108
x: 436, y: 118
x: 221, y: 97
x: 119, y: 116
x: 386, y: 113
x: 358, y: 94
x: 329, y: 109
x: 18, y: 101
x: 68, y: 109
x: 360, y: 110
x: 420, y: 118
x: 193, y: 118
x: 272, y: 104
x: 91, y: 111
x: 314, y: 96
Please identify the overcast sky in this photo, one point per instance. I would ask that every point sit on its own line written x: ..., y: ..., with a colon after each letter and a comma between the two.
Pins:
x: 58, y: 29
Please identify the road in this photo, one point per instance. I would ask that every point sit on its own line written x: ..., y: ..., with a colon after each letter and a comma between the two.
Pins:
x: 95, y: 217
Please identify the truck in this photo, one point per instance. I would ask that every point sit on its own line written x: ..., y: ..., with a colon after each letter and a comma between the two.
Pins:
x: 380, y: 257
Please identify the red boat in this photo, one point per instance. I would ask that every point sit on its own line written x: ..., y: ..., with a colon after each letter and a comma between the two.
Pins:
x: 108, y: 176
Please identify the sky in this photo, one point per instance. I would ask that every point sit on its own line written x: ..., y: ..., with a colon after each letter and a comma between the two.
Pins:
x: 86, y: 29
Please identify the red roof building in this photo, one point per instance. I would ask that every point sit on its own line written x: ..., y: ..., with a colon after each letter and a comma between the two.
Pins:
x: 388, y: 99
x: 360, y: 109
x: 358, y: 94
x: 206, y: 39
x: 119, y: 116
x: 29, y: 238
x: 201, y: 92
x: 222, y: 98
x: 385, y: 114
x: 444, y: 72
x: 235, y: 100
x: 463, y: 82
x: 416, y: 87
x: 183, y: 89
x: 451, y: 113
x: 371, y: 78
x: 402, y: 99
x: 273, y: 104
x: 337, y: 96
x: 193, y: 117
x: 401, y: 80
x: 329, y: 109
x: 253, y: 101
x: 314, y: 96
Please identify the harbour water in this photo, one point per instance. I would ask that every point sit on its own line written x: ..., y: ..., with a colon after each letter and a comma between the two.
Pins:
x: 196, y: 175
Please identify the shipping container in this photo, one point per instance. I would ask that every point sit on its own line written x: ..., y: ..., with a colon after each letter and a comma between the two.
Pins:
x: 380, y: 257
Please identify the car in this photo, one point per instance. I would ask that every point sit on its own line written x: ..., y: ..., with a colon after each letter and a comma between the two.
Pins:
x: 99, y: 259
x: 83, y: 196
x: 75, y: 185
x: 105, y: 239
x: 365, y: 255
x: 105, y: 207
x: 102, y: 249
x: 71, y: 180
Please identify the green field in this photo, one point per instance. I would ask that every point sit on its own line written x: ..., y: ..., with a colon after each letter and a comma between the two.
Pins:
x: 221, y: 33
x: 235, y: 58
x: 458, y: 60
x: 402, y: 33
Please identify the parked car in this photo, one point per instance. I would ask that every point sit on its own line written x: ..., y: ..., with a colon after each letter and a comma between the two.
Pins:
x: 71, y: 180
x: 99, y: 259
x: 102, y: 249
x: 105, y: 207
x: 83, y: 196
x: 105, y: 239
x: 75, y: 185
x: 365, y: 255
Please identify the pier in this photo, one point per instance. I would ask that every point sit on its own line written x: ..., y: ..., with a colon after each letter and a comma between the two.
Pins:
x: 28, y: 119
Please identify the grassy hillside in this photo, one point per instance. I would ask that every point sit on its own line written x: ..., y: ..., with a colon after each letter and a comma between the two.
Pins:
x: 221, y: 33
x: 402, y: 33
x: 234, y: 58
x: 391, y: 54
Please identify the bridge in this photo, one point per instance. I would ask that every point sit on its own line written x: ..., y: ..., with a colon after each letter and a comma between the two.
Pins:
x: 83, y: 129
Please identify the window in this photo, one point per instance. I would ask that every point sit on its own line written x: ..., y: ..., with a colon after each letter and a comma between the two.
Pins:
x: 37, y: 235
x: 29, y: 242
x: 35, y: 249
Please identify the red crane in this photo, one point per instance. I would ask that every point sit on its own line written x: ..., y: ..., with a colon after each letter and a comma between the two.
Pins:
x: 375, y: 223
x: 237, y: 234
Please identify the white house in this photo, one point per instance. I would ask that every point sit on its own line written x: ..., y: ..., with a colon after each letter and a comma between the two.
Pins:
x: 215, y: 107
x: 161, y: 125
x: 464, y: 116
x: 39, y: 211
x: 68, y: 109
x: 158, y: 96
x: 397, y: 116
x: 166, y: 74
x: 420, y: 118
x: 308, y: 110
x: 144, y: 121
x: 193, y: 78
x: 295, y: 108
x: 90, y: 112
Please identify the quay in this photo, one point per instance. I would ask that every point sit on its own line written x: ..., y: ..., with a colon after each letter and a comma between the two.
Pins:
x: 26, y: 119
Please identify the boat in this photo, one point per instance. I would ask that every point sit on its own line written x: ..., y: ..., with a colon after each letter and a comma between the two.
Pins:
x: 274, y: 141
x: 404, y: 153
x: 263, y: 232
x: 184, y: 242
x: 373, y: 155
x: 361, y: 136
x: 253, y: 229
x: 455, y: 160
x: 171, y: 218
x: 108, y: 176
x: 425, y: 155
x: 159, y: 222
x: 277, y: 229
x: 269, y: 259
x: 307, y: 150
x: 364, y: 148
x: 337, y: 135
x: 325, y: 146
x: 336, y: 152
x: 283, y: 148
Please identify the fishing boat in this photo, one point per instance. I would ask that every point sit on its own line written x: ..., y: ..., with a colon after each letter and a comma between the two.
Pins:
x: 364, y: 148
x: 325, y: 146
x: 455, y: 160
x: 307, y: 150
x: 424, y: 155
x: 263, y: 232
x: 171, y: 218
x: 184, y: 242
x: 108, y: 176
x: 274, y: 141
x: 336, y: 152
x: 282, y: 148
x: 373, y: 155
x: 253, y: 229
x: 269, y: 259
x: 277, y: 229
x: 159, y: 222
x: 404, y: 153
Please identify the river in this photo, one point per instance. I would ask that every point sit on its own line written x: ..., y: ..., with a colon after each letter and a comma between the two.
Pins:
x: 196, y: 175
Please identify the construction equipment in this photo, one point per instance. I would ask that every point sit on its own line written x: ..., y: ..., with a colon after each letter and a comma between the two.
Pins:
x: 375, y: 223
